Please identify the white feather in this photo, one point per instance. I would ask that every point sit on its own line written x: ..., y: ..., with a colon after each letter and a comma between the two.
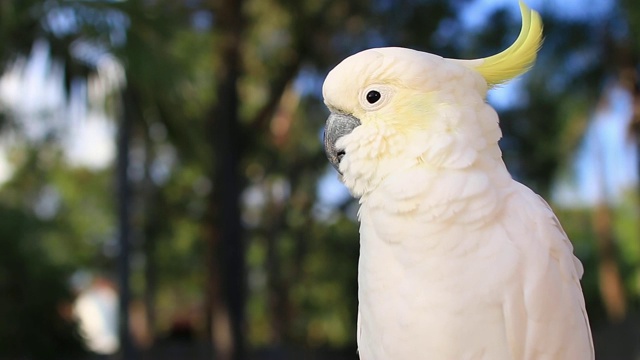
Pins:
x: 508, y: 289
x: 457, y: 260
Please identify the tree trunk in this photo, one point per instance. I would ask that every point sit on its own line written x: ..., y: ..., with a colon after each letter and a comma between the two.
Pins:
x: 150, y: 195
x: 612, y: 291
x: 611, y: 286
x: 124, y: 224
x: 226, y: 240
x: 634, y: 134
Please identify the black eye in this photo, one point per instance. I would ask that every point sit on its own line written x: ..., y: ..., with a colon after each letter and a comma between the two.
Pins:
x: 373, y: 96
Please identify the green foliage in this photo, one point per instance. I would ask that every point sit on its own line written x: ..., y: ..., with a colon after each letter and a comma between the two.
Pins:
x: 578, y: 223
x: 627, y: 232
x: 35, y: 302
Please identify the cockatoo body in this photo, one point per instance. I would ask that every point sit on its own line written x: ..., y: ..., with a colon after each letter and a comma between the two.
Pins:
x: 457, y: 260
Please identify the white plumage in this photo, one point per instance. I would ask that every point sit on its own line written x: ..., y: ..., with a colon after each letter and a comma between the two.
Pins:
x: 457, y: 260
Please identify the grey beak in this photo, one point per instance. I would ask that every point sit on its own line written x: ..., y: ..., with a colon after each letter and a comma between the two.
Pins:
x: 338, y: 125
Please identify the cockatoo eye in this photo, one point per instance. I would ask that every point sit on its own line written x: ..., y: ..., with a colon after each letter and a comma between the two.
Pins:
x: 373, y: 96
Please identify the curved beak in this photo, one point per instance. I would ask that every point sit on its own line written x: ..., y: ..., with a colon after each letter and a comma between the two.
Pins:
x: 338, y: 125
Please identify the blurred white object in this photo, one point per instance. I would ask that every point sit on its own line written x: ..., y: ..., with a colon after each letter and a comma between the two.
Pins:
x: 96, y: 309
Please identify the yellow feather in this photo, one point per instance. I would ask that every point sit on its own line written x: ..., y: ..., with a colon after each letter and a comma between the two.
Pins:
x: 520, y: 56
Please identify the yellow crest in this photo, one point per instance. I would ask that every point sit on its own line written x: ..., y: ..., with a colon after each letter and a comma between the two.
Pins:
x: 519, y: 57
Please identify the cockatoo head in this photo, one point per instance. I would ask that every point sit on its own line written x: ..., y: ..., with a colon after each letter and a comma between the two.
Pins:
x: 394, y: 108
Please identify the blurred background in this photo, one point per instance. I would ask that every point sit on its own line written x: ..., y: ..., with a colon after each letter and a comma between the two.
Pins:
x: 164, y: 192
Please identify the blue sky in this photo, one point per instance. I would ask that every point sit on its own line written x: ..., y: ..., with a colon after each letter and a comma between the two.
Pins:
x: 32, y: 89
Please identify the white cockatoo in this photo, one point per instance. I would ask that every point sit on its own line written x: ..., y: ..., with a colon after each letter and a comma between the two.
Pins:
x: 457, y: 259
